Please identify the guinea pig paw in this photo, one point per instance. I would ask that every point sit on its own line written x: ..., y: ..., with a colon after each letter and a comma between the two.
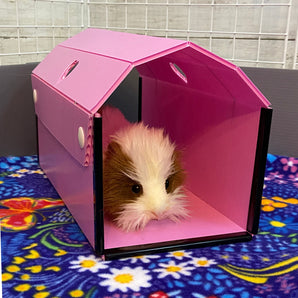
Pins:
x: 177, y: 217
x: 177, y: 213
x: 131, y: 222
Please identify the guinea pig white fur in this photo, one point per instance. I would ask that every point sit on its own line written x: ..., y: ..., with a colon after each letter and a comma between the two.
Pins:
x: 143, y: 178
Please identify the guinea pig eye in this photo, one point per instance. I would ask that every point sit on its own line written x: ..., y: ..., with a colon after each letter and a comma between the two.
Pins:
x: 136, y: 188
x: 167, y: 183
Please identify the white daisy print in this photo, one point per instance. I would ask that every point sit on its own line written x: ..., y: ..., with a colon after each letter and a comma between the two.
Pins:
x: 90, y: 263
x: 16, y: 175
x: 126, y: 279
x: 173, y: 269
x: 179, y: 255
x: 203, y: 262
x: 144, y: 259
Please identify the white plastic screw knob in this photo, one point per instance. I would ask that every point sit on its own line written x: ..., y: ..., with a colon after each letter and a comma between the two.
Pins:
x: 81, y: 137
x: 35, y: 95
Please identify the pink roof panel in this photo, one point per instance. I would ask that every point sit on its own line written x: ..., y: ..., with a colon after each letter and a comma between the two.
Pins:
x: 90, y: 83
x: 122, y: 46
x: 104, y: 58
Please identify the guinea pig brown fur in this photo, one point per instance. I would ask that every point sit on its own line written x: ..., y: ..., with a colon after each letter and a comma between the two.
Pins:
x: 143, y: 178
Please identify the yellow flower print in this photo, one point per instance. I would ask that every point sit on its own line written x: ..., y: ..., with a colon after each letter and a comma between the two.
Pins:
x: 13, y: 268
x: 22, y: 288
x: 22, y: 171
x: 53, y: 268
x: 124, y: 278
x: 60, y: 252
x: 178, y: 253
x: 139, y: 257
x: 35, y: 269
x: 277, y: 224
x: 30, y: 246
x: 40, y: 288
x: 18, y: 260
x: 76, y: 293
x: 269, y: 205
x: 37, y: 172
x: 33, y: 254
x: 25, y: 277
x: 6, y: 276
x: 41, y: 295
x: 245, y: 258
x: 225, y: 257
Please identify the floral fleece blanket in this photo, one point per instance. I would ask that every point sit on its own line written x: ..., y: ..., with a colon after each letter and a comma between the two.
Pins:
x: 44, y: 253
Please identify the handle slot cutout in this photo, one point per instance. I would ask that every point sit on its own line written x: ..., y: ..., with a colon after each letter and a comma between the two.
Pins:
x: 179, y: 72
x: 69, y: 69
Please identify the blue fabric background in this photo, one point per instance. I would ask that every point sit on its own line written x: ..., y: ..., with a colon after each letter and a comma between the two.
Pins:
x: 44, y: 253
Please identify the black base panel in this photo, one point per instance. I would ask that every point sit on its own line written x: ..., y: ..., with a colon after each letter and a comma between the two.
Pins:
x: 124, y: 252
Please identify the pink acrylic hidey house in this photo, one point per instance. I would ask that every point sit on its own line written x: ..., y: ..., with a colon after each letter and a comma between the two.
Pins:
x: 208, y: 106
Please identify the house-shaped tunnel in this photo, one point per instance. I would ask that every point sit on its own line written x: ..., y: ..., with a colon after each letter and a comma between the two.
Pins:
x: 210, y: 109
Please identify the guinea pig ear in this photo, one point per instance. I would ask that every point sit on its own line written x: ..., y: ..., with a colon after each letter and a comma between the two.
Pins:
x: 178, y: 176
x: 117, y: 159
x: 113, y: 148
x: 114, y: 151
x: 177, y: 160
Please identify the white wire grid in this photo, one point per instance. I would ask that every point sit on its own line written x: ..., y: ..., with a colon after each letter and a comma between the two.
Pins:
x: 262, y: 33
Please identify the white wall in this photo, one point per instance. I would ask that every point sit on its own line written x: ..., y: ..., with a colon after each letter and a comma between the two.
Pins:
x: 259, y: 33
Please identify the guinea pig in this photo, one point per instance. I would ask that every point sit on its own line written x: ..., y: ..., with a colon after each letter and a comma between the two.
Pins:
x: 143, y: 178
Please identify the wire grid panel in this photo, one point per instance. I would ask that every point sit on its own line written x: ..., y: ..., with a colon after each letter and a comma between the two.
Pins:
x: 30, y: 29
x: 259, y: 33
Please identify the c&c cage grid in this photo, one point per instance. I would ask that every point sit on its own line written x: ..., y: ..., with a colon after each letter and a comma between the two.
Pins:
x: 259, y: 33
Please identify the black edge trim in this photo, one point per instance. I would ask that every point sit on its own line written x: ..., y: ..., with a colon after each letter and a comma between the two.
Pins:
x: 98, y: 185
x: 140, y: 100
x: 37, y: 138
x: 153, y: 248
x: 259, y: 171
